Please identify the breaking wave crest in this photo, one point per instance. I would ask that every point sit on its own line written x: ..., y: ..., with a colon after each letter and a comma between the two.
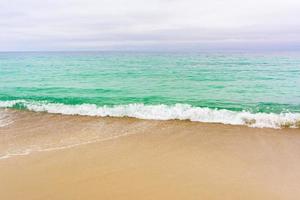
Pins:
x: 165, y: 112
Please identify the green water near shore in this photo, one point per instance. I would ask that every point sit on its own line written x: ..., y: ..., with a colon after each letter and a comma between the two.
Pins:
x: 252, y: 82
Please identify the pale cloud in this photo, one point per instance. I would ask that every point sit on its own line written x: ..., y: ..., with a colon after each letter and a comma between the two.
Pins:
x: 141, y: 24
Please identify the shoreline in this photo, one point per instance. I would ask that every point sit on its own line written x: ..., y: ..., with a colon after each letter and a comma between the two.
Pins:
x: 18, y: 116
x: 165, y: 112
x: 126, y: 158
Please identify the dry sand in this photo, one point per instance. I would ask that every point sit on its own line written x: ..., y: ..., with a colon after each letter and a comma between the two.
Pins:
x: 122, y: 158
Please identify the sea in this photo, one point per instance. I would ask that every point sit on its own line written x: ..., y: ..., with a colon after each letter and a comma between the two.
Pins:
x: 255, y: 89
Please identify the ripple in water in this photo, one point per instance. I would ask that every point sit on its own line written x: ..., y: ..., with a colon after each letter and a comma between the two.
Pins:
x: 5, y: 119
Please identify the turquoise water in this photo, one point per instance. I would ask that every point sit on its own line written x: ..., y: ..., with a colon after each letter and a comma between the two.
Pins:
x: 221, y: 86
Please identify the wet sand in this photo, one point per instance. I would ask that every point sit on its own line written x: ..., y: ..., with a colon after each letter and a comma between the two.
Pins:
x: 77, y: 157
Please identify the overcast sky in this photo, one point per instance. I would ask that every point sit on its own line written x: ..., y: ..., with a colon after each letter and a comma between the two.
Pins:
x: 149, y: 24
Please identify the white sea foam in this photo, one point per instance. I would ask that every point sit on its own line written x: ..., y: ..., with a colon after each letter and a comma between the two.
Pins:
x: 165, y: 112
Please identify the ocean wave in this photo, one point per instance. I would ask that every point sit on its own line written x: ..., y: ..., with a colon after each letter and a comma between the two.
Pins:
x: 165, y: 112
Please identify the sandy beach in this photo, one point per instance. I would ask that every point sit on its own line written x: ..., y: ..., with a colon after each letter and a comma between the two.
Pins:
x: 150, y: 100
x: 49, y: 156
